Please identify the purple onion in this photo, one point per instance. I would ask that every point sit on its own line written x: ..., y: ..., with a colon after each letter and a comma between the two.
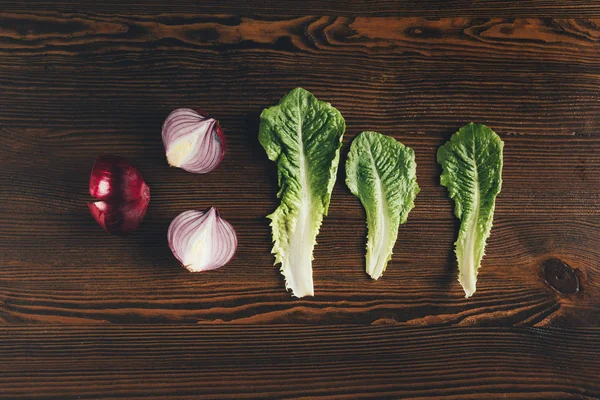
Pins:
x: 193, y: 141
x: 202, y: 241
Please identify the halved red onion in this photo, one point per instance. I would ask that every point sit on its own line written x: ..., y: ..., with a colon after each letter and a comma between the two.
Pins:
x: 193, y: 141
x: 202, y: 241
x: 122, y: 193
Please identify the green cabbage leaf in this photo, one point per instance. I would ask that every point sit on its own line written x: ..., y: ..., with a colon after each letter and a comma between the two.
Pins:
x: 472, y: 171
x: 303, y: 136
x: 382, y: 173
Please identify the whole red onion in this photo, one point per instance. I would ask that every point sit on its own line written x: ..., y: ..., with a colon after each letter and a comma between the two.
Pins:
x: 122, y: 193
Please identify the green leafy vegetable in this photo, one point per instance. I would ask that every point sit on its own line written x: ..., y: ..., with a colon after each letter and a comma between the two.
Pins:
x: 303, y: 136
x: 472, y: 171
x: 382, y: 173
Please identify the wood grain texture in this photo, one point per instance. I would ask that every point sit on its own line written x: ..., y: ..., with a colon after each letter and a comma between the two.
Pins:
x: 187, y: 362
x: 78, y: 85
x: 83, y: 78
x: 420, y: 8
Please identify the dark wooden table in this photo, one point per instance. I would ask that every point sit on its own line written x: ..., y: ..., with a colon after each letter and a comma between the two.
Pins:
x: 86, y: 315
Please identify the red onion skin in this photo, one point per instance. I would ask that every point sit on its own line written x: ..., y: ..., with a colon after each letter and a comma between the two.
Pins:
x: 220, y: 132
x: 123, y: 195
x: 222, y: 139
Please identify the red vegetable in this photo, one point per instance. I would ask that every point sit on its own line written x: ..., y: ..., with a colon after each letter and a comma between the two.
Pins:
x: 202, y: 241
x: 122, y: 193
x: 193, y: 141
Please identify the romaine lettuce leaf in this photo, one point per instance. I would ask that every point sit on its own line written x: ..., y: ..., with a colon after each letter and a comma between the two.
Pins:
x: 303, y: 136
x: 472, y: 171
x: 381, y: 172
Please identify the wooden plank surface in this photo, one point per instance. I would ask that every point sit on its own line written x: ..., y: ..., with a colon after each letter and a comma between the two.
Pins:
x: 76, y: 88
x: 79, y: 80
x: 420, y: 8
x: 188, y: 362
